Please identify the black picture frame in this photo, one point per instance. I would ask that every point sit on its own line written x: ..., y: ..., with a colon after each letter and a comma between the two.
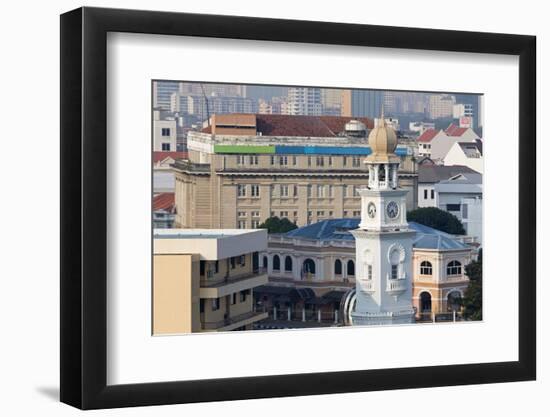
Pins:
x: 84, y: 207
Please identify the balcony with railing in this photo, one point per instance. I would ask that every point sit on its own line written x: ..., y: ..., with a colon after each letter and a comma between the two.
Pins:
x: 455, y: 278
x: 367, y: 286
x: 396, y: 286
x: 219, y: 287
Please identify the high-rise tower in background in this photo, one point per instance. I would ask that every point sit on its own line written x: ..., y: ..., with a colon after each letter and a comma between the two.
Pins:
x: 361, y: 103
x: 304, y: 101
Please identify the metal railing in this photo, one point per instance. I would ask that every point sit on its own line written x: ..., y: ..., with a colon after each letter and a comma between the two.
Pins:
x: 218, y: 282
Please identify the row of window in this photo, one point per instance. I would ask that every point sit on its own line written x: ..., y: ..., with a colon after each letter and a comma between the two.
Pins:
x: 338, y: 267
x: 288, y: 265
x: 243, y: 224
x: 288, y: 190
x: 285, y: 160
x: 453, y: 268
x: 252, y: 214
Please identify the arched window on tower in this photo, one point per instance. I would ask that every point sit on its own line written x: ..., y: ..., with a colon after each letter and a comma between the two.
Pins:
x: 454, y: 268
x: 338, y: 267
x: 276, y: 263
x: 425, y: 268
x: 382, y: 173
x: 397, y: 259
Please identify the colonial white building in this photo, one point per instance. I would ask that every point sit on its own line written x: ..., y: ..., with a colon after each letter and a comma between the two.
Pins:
x: 321, y: 258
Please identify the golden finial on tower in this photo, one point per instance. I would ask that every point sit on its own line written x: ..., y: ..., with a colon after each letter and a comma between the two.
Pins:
x: 382, y: 141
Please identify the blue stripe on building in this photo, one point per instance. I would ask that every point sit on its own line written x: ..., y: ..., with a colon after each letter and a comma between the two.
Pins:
x: 329, y: 150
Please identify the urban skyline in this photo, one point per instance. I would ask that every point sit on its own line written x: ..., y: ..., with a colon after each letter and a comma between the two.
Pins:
x: 264, y: 99
x: 299, y: 207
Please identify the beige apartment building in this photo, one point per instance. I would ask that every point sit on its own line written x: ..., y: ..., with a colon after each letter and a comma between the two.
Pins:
x: 243, y: 169
x: 203, y: 280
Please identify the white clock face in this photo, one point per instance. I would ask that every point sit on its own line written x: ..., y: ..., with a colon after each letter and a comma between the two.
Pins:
x: 371, y: 210
x: 392, y: 209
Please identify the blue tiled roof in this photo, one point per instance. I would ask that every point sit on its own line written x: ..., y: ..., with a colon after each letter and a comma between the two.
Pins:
x: 338, y: 229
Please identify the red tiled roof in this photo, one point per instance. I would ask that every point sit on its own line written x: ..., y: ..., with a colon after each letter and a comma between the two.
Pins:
x: 313, y: 126
x: 428, y: 135
x: 160, y: 156
x: 459, y: 131
x: 164, y: 201
x: 450, y: 128
x: 454, y: 130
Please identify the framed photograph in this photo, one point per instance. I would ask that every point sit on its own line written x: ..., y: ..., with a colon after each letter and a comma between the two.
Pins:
x: 259, y: 208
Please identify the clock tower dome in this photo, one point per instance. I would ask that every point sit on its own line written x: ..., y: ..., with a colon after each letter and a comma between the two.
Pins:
x: 383, y: 241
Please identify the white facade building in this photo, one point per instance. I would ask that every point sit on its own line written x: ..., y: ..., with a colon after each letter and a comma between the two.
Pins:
x: 164, y: 134
x: 463, y: 196
x: 457, y: 189
x: 469, y: 154
x: 383, y: 241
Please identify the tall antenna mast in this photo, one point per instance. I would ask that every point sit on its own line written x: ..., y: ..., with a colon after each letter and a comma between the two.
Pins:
x: 207, y: 106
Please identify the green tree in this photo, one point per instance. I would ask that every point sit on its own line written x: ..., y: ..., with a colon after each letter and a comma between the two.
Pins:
x: 278, y: 225
x: 438, y: 219
x: 474, y: 293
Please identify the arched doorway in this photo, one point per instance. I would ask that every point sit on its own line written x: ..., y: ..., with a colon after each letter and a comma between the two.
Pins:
x: 425, y: 302
x: 308, y: 269
x: 454, y: 301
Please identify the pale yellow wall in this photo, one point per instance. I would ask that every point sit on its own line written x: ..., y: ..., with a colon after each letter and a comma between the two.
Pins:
x: 211, y: 201
x: 175, y: 294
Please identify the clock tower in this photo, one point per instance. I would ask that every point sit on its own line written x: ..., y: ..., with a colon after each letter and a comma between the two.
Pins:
x: 383, y: 241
